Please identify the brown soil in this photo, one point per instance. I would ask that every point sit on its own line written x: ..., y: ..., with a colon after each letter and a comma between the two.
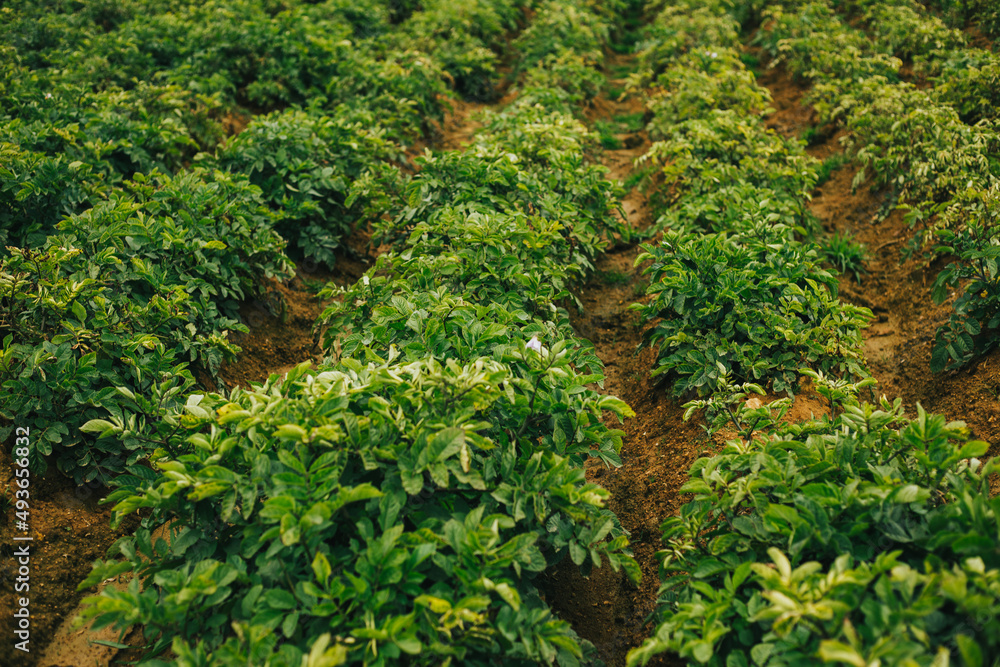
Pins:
x: 69, y: 531
x: 658, y: 446
x: 898, y: 343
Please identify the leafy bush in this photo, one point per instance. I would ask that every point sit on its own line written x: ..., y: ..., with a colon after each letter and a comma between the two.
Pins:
x: 920, y: 147
x: 700, y: 82
x: 724, y: 146
x: 69, y: 341
x: 476, y: 301
x: 906, y: 32
x: 167, y: 233
x: 305, y: 164
x: 122, y: 292
x: 402, y: 88
x: 676, y: 30
x: 257, y: 59
x: 969, y: 232
x: 982, y: 13
x: 726, y: 208
x: 857, y: 536
x: 562, y: 26
x: 753, y: 305
x: 465, y: 37
x: 532, y: 165
x: 969, y: 82
x: 568, y: 71
x: 392, y: 520
x: 37, y: 190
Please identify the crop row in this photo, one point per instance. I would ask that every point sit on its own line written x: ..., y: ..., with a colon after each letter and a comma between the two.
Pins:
x: 934, y: 148
x: 858, y: 536
x: 134, y: 232
x: 397, y: 503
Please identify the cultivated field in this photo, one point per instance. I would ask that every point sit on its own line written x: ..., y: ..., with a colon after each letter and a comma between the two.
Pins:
x: 480, y: 332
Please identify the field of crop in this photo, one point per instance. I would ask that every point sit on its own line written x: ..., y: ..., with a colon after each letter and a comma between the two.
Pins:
x: 476, y: 332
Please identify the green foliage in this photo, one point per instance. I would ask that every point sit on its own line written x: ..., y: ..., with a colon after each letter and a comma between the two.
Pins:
x: 935, y: 149
x: 122, y: 291
x: 724, y: 146
x: 969, y: 81
x: 394, y: 514
x: 305, y: 164
x: 530, y: 163
x: 396, y: 505
x: 755, y: 305
x: 982, y: 14
x: 972, y: 237
x: 699, y: 82
x: 830, y: 165
x: 465, y: 37
x: 856, y: 536
x: 37, y: 190
x: 679, y: 29
x: 920, y: 147
x: 69, y: 341
x: 846, y: 255
x: 568, y: 71
x: 606, y: 132
x: 906, y: 31
x: 726, y: 208
x: 559, y: 27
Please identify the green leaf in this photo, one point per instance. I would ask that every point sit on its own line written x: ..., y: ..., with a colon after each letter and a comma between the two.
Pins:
x: 79, y: 312
x: 101, y: 426
x: 410, y: 645
x: 708, y: 567
x: 834, y: 651
x: 972, y: 654
x: 321, y: 568
x: 292, y: 432
x: 974, y: 449
x: 290, y: 623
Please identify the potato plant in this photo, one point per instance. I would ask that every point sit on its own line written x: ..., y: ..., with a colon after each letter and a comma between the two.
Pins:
x: 135, y: 233
x: 385, y: 511
x: 121, y: 296
x: 755, y: 305
x: 750, y: 300
x: 859, y: 536
x: 395, y: 504
x: 305, y: 164
x: 934, y: 149
x: 856, y: 537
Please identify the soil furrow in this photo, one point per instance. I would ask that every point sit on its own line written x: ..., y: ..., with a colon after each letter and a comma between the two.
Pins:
x: 658, y: 446
x: 897, y: 290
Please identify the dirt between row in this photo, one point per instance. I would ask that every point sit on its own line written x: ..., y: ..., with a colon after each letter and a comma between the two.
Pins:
x: 660, y: 446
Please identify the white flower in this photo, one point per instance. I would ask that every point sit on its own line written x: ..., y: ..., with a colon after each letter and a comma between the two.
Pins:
x: 48, y: 96
x: 534, y: 344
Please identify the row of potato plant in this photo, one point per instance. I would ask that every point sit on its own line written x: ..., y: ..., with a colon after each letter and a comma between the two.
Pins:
x: 134, y: 233
x: 859, y: 536
x: 982, y: 15
x: 933, y: 148
x: 395, y: 505
x: 735, y: 291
